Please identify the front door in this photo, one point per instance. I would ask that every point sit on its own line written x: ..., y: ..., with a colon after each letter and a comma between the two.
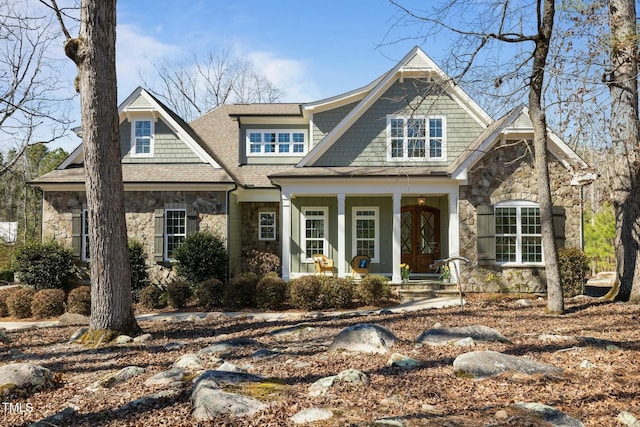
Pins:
x: 420, y: 237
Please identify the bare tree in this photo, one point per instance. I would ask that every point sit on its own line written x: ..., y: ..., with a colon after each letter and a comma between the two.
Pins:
x: 192, y: 88
x: 94, y: 54
x: 622, y: 78
x: 32, y: 98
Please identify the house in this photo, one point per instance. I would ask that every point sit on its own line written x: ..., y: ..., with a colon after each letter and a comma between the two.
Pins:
x: 407, y: 169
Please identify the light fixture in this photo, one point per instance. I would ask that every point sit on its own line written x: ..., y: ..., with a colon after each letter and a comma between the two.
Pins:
x: 422, y: 200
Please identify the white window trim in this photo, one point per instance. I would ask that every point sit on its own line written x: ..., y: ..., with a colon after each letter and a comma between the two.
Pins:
x: 518, y: 204
x: 166, y: 234
x: 151, y: 139
x: 84, y: 235
x: 261, y: 227
x: 376, y: 240
x: 303, y: 231
x: 277, y: 152
x: 405, y: 146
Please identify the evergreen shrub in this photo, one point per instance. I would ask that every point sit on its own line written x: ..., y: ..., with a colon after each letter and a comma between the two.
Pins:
x: 151, y: 298
x: 574, y: 267
x: 271, y: 292
x: 240, y: 291
x: 46, y: 265
x: 139, y: 275
x: 48, y: 303
x: 337, y: 292
x: 79, y: 300
x: 210, y: 293
x: 178, y: 293
x: 19, y: 302
x: 305, y: 292
x: 372, y: 290
x: 201, y: 256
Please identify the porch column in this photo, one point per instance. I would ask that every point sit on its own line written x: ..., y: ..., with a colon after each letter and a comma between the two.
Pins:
x: 396, y: 243
x: 454, y: 232
x: 285, y: 203
x: 341, y: 260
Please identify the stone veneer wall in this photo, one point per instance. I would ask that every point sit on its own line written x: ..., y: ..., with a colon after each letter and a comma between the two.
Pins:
x: 506, y: 173
x: 139, y: 208
x: 250, y: 239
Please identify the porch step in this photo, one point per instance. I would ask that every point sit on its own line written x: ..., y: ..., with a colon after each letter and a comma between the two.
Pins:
x: 425, y: 289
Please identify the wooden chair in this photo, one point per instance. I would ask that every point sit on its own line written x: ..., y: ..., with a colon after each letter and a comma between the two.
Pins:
x: 360, y: 265
x: 323, y: 264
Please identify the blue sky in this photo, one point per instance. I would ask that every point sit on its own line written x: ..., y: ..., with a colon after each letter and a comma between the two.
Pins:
x: 311, y: 49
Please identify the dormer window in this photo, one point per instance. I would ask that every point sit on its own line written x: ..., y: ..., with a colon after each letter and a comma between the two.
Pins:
x: 416, y: 138
x: 142, y: 138
x: 281, y: 142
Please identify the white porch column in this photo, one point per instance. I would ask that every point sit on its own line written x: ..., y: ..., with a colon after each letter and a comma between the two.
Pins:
x: 396, y: 243
x: 285, y: 205
x: 342, y: 254
x: 454, y: 232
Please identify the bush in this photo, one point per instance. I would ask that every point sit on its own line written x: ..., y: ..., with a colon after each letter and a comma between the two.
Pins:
x: 210, y: 293
x: 6, y: 276
x: 306, y: 292
x: 178, y: 293
x: 4, y: 294
x: 240, y: 291
x: 201, y: 256
x: 19, y: 302
x: 79, y: 300
x: 139, y: 275
x: 45, y: 265
x: 337, y: 292
x: 151, y: 298
x: 271, y: 292
x: 263, y: 263
x: 47, y: 303
x: 372, y: 290
x: 574, y: 267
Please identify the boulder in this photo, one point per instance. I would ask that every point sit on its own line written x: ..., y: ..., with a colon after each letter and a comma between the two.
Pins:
x: 114, y: 378
x: 550, y: 415
x: 69, y: 319
x: 364, y: 338
x: 311, y: 415
x: 189, y: 361
x: 25, y: 377
x: 351, y: 376
x: 209, y: 401
x: 445, y: 336
x: 402, y: 361
x: 170, y: 377
x: 486, y: 364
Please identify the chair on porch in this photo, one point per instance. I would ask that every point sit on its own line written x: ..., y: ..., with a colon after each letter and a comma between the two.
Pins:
x: 360, y: 265
x: 323, y: 264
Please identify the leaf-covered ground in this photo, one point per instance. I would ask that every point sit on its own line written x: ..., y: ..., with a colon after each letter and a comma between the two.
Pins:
x: 605, y: 334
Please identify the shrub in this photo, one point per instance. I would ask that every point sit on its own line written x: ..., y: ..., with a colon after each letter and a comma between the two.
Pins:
x: 337, y: 292
x: 6, y: 276
x: 306, y: 292
x: 19, y: 302
x: 210, y: 293
x: 574, y: 267
x: 271, y: 292
x: 4, y: 294
x: 45, y: 265
x: 201, y: 256
x: 178, y: 293
x: 240, y: 291
x: 151, y: 298
x: 263, y: 262
x: 139, y: 275
x: 372, y: 290
x: 47, y: 303
x: 79, y: 300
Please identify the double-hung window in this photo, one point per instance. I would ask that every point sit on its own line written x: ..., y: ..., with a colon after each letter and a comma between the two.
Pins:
x: 267, y: 226
x: 284, y: 142
x: 415, y: 138
x: 142, y: 138
x: 365, y: 232
x: 175, y: 230
x: 518, y: 233
x: 314, y: 229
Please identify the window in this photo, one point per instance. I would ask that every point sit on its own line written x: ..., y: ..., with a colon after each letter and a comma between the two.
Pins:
x: 175, y: 230
x: 518, y: 233
x: 365, y: 232
x: 276, y: 142
x: 142, y: 138
x: 314, y: 238
x: 267, y: 226
x: 407, y: 138
x: 84, y: 251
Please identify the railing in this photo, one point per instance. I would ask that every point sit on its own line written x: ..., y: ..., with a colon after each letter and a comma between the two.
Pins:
x: 445, y: 262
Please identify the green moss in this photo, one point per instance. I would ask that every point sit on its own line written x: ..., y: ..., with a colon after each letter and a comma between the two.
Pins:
x: 95, y: 337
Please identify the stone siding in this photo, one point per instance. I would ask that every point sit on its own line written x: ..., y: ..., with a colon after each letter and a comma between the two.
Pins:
x: 250, y: 240
x: 506, y: 173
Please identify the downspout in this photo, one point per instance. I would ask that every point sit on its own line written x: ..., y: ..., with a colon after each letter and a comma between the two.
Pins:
x: 228, y: 227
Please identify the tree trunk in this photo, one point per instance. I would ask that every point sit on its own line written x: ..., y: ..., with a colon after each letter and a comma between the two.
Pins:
x: 624, y: 128
x: 111, y: 304
x: 555, y: 300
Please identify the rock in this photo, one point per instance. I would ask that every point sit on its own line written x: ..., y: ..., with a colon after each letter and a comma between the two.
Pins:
x: 402, y: 361
x: 4, y: 337
x: 149, y: 400
x: 123, y: 339
x: 209, y: 402
x: 69, y: 319
x: 264, y: 353
x: 170, y: 377
x: 143, y: 338
x: 114, y: 378
x: 548, y: 414
x: 174, y: 346
x: 289, y: 330
x: 77, y: 334
x: 14, y: 354
x: 445, y: 336
x: 628, y: 419
x: 227, y: 345
x: 465, y: 342
x: 230, y: 367
x: 391, y: 421
x: 486, y: 364
x: 194, y: 318
x: 352, y: 376
x: 502, y: 415
x: 364, y: 338
x: 311, y: 415
x: 55, y: 419
x: 547, y: 338
x: 214, y: 316
x: 393, y: 400
x: 25, y: 377
x: 385, y: 311
x: 189, y: 361
x: 587, y: 365
x: 523, y: 302
x: 215, y: 376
